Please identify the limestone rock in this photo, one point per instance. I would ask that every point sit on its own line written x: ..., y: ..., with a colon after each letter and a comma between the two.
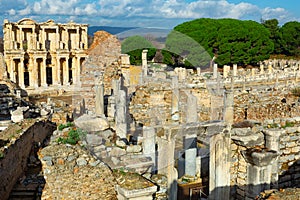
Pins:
x: 134, y: 149
x: 246, y: 137
x: 116, y: 152
x: 91, y: 123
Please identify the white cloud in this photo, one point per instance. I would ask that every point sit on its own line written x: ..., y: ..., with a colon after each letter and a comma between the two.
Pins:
x: 137, y: 12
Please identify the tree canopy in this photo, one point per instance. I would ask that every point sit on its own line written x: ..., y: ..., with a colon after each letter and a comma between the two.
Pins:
x: 229, y: 40
x: 290, y: 42
x: 134, y: 46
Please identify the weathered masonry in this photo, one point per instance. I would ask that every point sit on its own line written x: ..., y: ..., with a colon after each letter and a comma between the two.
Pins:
x: 44, y: 54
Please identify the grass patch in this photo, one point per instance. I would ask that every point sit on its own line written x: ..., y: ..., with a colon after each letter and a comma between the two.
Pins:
x: 63, y: 126
x: 74, y: 136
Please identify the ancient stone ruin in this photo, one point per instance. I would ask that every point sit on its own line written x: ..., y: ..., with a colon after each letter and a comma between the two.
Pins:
x: 44, y: 54
x: 144, y: 132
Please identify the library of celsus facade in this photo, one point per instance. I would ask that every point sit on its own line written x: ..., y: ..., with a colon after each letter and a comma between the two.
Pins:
x: 44, y: 54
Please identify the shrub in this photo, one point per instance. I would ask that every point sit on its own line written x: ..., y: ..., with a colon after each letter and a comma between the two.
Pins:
x: 63, y: 126
x: 296, y: 91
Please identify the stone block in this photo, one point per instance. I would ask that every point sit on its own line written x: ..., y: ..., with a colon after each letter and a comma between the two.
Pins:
x: 117, y: 152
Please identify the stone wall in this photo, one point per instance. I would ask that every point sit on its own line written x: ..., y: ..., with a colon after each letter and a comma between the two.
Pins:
x: 265, y: 104
x: 3, y: 74
x: 18, y: 149
x: 281, y: 172
x: 100, y: 66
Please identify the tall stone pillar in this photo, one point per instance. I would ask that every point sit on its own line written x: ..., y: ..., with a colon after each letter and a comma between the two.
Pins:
x: 215, y: 71
x: 43, y: 73
x: 66, y: 71
x: 165, y: 162
x: 21, y: 38
x: 175, y: 99
x: 57, y: 72
x: 12, y: 70
x: 219, y: 166
x: 121, y: 121
x: 43, y: 35
x: 228, y: 107
x: 144, y: 62
x: 57, y: 38
x: 191, y: 110
x: 234, y: 69
x: 99, y: 100
x: 74, y: 70
x: 198, y: 71
x: 226, y: 70
x: 262, y: 69
x: 149, y: 141
x: 31, y: 72
x: 78, y: 71
x: 273, y: 143
x: 21, y: 73
x: 33, y: 75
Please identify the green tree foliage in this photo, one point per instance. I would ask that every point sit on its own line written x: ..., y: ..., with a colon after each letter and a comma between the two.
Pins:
x: 184, y: 50
x: 291, y: 38
x: 230, y: 40
x: 275, y: 35
x: 134, y: 46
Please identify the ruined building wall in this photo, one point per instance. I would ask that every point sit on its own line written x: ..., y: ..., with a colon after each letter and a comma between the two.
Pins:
x: 14, y: 160
x: 265, y: 104
x: 44, y: 54
x: 152, y: 103
x: 101, y: 66
x: 282, y: 171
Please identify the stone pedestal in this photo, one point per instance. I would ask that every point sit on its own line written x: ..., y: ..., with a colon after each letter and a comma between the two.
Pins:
x: 259, y: 170
x: 273, y: 143
x: 190, y: 162
x: 136, y: 194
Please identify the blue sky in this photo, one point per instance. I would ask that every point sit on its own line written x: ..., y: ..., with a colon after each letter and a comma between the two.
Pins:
x: 147, y: 13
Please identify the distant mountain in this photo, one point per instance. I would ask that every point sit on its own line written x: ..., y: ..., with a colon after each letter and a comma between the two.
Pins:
x: 153, y: 32
x: 109, y: 29
x: 124, y: 32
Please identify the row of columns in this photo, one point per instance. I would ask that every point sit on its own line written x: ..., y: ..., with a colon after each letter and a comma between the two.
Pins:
x: 16, y: 70
x: 35, y: 39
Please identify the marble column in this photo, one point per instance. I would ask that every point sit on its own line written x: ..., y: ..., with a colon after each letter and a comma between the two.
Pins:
x: 21, y: 73
x: 121, y: 114
x: 99, y: 100
x: 215, y: 71
x: 33, y: 72
x: 144, y: 62
x: 229, y: 107
x: 175, y: 99
x: 191, y: 110
x: 57, y: 72
x: 149, y: 141
x: 12, y: 70
x: 165, y: 162
x: 219, y: 166
x: 66, y: 71
x: 234, y: 69
x: 43, y: 73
